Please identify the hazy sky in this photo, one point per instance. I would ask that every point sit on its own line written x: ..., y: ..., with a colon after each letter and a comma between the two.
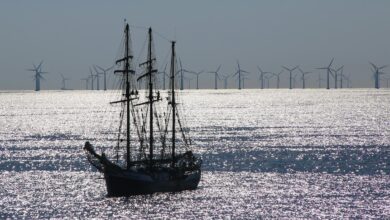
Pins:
x: 72, y: 35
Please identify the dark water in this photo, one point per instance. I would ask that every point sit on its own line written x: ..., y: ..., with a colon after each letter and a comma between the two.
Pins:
x: 271, y: 153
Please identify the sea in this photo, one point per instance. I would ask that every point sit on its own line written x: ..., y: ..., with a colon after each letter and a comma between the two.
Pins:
x: 284, y: 154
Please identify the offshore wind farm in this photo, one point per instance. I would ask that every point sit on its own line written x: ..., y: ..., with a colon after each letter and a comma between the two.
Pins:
x: 195, y: 110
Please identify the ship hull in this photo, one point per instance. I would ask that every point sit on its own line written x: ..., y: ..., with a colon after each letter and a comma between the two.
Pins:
x: 130, y: 182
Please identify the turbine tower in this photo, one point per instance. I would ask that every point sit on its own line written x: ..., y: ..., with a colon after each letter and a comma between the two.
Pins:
x: 328, y: 72
x: 277, y: 75
x: 216, y: 76
x: 38, y: 75
x: 238, y: 73
x: 182, y: 71
x: 104, y: 74
x: 377, y: 74
x: 261, y: 77
x: 290, y: 70
x: 303, y: 77
x: 63, y: 81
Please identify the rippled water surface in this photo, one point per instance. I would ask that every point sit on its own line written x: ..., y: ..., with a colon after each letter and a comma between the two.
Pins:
x: 270, y: 153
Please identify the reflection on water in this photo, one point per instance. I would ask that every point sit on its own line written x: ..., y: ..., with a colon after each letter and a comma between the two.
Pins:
x: 271, y: 153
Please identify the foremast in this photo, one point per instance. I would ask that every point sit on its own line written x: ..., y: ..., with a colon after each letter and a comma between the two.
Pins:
x: 126, y: 71
x: 173, y: 102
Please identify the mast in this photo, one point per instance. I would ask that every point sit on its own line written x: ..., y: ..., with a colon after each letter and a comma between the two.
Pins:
x: 173, y: 102
x: 150, y: 98
x: 149, y: 72
x: 126, y: 71
x: 127, y: 98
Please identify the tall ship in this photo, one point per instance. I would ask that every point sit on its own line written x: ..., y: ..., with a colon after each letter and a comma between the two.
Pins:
x: 153, y: 150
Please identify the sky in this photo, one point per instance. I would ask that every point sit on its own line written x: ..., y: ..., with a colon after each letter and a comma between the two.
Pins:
x: 71, y: 36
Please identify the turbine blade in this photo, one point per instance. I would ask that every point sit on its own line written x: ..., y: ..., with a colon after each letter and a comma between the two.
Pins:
x: 99, y: 68
x: 286, y: 68
x: 40, y: 64
x: 181, y: 67
x: 331, y: 73
x: 330, y: 64
x: 261, y: 71
x: 373, y: 65
x: 94, y: 67
x: 110, y: 68
x: 219, y: 67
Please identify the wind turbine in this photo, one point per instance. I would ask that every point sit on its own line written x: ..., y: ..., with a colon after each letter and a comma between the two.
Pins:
x: 64, y: 81
x: 290, y: 70
x: 268, y: 77
x: 181, y: 71
x: 92, y: 77
x: 328, y: 72
x: 104, y: 75
x: 303, y: 77
x: 341, y: 77
x: 261, y: 77
x: 377, y: 74
x: 225, y: 79
x: 86, y: 82
x: 164, y: 73
x: 97, y: 77
x: 216, y: 76
x: 197, y: 77
x: 239, y: 71
x: 38, y: 75
x: 277, y: 75
x: 336, y: 75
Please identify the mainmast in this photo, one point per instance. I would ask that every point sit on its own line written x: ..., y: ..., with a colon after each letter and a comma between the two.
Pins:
x: 149, y: 73
x: 173, y: 101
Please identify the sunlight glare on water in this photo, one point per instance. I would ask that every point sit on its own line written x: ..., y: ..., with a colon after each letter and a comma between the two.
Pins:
x: 266, y: 153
